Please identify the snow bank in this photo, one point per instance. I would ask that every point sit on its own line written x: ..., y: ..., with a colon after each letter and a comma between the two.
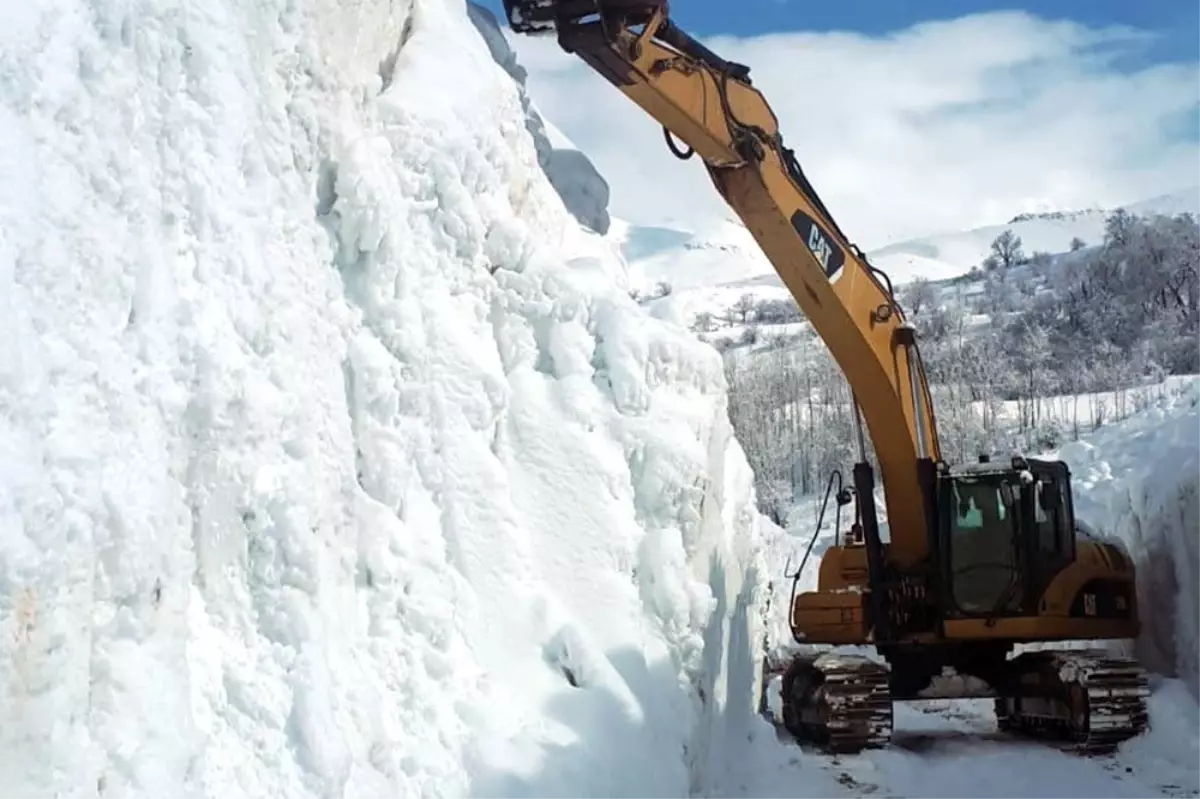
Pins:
x: 335, y: 458
x: 582, y: 188
x: 1139, y: 480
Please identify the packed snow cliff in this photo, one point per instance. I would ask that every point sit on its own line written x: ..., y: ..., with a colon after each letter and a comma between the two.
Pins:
x: 1139, y: 480
x: 334, y: 456
x: 582, y: 188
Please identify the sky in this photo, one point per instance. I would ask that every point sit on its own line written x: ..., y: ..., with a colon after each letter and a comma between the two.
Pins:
x: 911, y: 118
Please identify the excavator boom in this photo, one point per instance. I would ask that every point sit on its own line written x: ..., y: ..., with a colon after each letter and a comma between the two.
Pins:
x: 711, y: 105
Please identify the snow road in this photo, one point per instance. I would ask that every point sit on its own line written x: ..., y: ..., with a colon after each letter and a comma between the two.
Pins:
x: 953, y: 749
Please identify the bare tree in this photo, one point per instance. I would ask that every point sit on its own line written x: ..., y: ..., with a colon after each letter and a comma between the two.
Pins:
x: 1007, y: 249
x: 917, y: 295
x: 1089, y: 338
x: 704, y: 322
x: 742, y: 308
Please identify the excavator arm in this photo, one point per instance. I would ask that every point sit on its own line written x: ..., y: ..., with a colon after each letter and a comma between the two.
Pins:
x: 711, y: 105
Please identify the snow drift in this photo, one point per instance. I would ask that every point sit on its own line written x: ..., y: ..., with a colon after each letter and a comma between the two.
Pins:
x: 335, y: 458
x: 1139, y: 480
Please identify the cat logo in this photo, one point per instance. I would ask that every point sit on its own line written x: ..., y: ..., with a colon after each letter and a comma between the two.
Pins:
x: 819, y: 247
x: 828, y: 255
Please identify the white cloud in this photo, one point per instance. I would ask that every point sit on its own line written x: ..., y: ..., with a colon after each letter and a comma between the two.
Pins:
x: 944, y: 125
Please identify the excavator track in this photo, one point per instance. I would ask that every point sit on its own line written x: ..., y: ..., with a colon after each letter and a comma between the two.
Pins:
x: 842, y: 703
x: 1088, y: 700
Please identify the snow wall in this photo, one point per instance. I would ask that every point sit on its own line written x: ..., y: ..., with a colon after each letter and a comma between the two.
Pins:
x: 334, y: 457
x: 1139, y: 480
x: 582, y: 188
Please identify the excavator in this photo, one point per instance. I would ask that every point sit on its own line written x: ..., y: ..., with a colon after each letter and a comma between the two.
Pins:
x: 986, y: 586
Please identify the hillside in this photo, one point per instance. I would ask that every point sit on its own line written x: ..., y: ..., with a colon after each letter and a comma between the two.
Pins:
x: 710, y: 271
x: 337, y: 460
x: 950, y: 254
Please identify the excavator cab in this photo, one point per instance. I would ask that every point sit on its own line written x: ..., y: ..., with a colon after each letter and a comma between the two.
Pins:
x: 1006, y: 531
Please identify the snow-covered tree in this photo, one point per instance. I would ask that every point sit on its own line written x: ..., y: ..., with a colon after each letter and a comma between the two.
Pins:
x: 917, y: 295
x: 1006, y: 248
x: 740, y: 311
x: 704, y: 322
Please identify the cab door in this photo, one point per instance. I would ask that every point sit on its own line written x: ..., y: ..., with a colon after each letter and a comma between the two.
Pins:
x: 1052, y: 543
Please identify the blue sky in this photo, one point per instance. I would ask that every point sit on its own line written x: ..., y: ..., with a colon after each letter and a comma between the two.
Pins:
x: 992, y: 111
x: 1175, y: 21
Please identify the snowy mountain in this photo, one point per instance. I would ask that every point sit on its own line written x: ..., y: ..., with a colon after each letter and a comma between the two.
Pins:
x: 710, y: 270
x: 950, y: 254
x: 706, y: 272
x: 336, y: 458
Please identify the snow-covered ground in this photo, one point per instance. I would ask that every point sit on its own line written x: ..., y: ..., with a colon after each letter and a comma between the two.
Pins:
x: 335, y: 458
x: 952, y: 749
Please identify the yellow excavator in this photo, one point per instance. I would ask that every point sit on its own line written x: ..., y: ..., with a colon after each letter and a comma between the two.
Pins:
x: 980, y: 558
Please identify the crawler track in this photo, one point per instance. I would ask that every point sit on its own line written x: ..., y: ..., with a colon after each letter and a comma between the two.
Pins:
x: 839, y: 702
x: 1088, y: 700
